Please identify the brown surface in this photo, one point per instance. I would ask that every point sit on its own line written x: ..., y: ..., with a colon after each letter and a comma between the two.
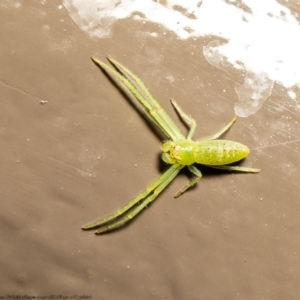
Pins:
x: 86, y: 151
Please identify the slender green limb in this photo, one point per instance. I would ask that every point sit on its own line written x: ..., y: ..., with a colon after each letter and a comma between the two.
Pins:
x: 191, y: 183
x: 159, y: 114
x: 186, y: 118
x: 169, y: 173
x: 167, y: 179
x: 137, y: 88
x: 131, y: 88
x: 219, y: 133
x: 137, y: 82
x: 236, y: 169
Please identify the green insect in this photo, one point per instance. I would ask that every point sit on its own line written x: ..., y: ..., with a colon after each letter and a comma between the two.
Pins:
x: 178, y: 151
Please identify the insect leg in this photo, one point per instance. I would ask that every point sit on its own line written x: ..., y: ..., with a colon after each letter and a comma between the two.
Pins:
x: 153, y: 107
x: 236, y: 168
x: 219, y: 133
x: 170, y: 173
x: 138, y: 89
x: 167, y: 178
x: 198, y: 175
x: 186, y: 118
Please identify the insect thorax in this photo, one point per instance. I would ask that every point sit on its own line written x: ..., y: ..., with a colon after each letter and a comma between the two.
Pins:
x: 181, y: 152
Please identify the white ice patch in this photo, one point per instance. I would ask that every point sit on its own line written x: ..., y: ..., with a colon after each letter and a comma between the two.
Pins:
x: 252, y: 93
x: 259, y: 37
x: 256, y: 86
x: 262, y: 47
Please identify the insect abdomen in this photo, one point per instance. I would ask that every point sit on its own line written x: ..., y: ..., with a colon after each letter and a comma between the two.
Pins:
x: 219, y: 152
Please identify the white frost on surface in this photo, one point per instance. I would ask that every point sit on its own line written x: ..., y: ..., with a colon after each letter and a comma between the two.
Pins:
x: 96, y: 17
x: 259, y: 37
x: 261, y: 44
x: 257, y: 86
x: 252, y: 93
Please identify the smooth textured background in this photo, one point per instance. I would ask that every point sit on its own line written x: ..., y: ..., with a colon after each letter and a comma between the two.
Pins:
x: 87, y: 151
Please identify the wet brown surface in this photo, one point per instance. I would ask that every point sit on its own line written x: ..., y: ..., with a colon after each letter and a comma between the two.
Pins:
x: 87, y: 151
